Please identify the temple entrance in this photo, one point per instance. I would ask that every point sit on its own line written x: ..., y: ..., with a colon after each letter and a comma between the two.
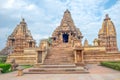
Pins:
x: 13, y: 42
x: 79, y: 56
x: 78, y: 53
x: 39, y: 57
x: 30, y: 44
x: 65, y: 38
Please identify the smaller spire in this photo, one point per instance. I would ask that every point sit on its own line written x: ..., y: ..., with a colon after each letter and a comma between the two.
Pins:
x: 86, y: 44
x: 95, y: 42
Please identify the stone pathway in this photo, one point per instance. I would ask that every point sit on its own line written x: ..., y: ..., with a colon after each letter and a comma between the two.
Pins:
x: 96, y: 73
x: 97, y: 69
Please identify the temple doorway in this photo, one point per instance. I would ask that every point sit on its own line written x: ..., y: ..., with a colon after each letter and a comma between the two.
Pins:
x: 65, y: 38
x: 30, y: 44
x: 39, y: 57
x: 78, y: 54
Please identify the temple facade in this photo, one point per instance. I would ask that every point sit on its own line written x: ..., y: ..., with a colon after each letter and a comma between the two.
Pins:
x: 67, y: 32
x: 20, y: 38
x: 64, y: 47
x: 107, y: 35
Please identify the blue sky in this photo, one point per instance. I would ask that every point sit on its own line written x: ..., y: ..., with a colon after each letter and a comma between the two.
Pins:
x: 43, y: 16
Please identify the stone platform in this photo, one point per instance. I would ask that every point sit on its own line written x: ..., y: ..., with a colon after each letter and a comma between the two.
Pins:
x: 55, y: 66
x: 95, y: 73
x: 57, y: 69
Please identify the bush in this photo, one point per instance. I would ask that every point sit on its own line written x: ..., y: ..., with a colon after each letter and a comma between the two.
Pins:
x: 5, y: 67
x: 113, y: 65
x: 3, y: 59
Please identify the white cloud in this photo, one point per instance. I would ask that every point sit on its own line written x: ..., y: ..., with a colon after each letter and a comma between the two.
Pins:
x: 3, y: 36
x: 13, y: 4
x: 42, y: 18
x: 86, y: 17
x: 39, y: 37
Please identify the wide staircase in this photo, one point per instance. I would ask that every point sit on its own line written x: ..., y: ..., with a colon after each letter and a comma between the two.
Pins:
x: 60, y: 55
x: 60, y: 59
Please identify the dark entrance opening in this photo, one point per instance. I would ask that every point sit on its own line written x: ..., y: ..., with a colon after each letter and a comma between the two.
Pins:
x: 39, y: 56
x: 30, y: 44
x: 13, y: 42
x: 65, y: 38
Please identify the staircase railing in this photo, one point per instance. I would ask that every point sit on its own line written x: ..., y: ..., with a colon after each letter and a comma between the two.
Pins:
x: 46, y: 51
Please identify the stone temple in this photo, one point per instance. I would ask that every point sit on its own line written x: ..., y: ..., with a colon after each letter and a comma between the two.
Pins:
x: 63, y: 52
x: 107, y: 35
x: 67, y: 32
x: 20, y: 38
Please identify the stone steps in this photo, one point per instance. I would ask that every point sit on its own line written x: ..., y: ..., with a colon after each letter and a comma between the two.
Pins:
x: 59, y: 55
x: 57, y: 70
x: 55, y: 66
x: 62, y: 45
x: 56, y: 63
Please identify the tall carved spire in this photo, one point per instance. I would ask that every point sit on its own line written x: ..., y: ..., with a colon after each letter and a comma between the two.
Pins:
x: 67, y: 20
x: 67, y: 31
x: 67, y: 17
x: 108, y: 27
x: 20, y: 38
x: 107, y: 35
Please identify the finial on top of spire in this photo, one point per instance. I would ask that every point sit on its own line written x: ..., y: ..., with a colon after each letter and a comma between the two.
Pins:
x: 23, y: 19
x: 107, y: 17
x: 67, y: 11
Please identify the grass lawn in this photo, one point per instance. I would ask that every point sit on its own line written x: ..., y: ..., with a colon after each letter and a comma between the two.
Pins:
x: 112, y: 64
x: 26, y: 66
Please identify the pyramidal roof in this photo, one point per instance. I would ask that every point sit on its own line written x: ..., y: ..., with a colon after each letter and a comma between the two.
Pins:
x: 21, y: 30
x: 67, y: 25
x: 108, y: 27
x: 67, y: 21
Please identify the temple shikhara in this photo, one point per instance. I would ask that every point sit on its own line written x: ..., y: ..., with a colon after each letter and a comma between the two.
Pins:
x: 107, y: 35
x: 21, y: 38
x: 67, y: 32
x: 63, y: 52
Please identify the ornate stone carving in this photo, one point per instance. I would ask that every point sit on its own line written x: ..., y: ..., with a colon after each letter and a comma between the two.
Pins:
x: 20, y: 38
x: 67, y: 31
x: 107, y: 35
